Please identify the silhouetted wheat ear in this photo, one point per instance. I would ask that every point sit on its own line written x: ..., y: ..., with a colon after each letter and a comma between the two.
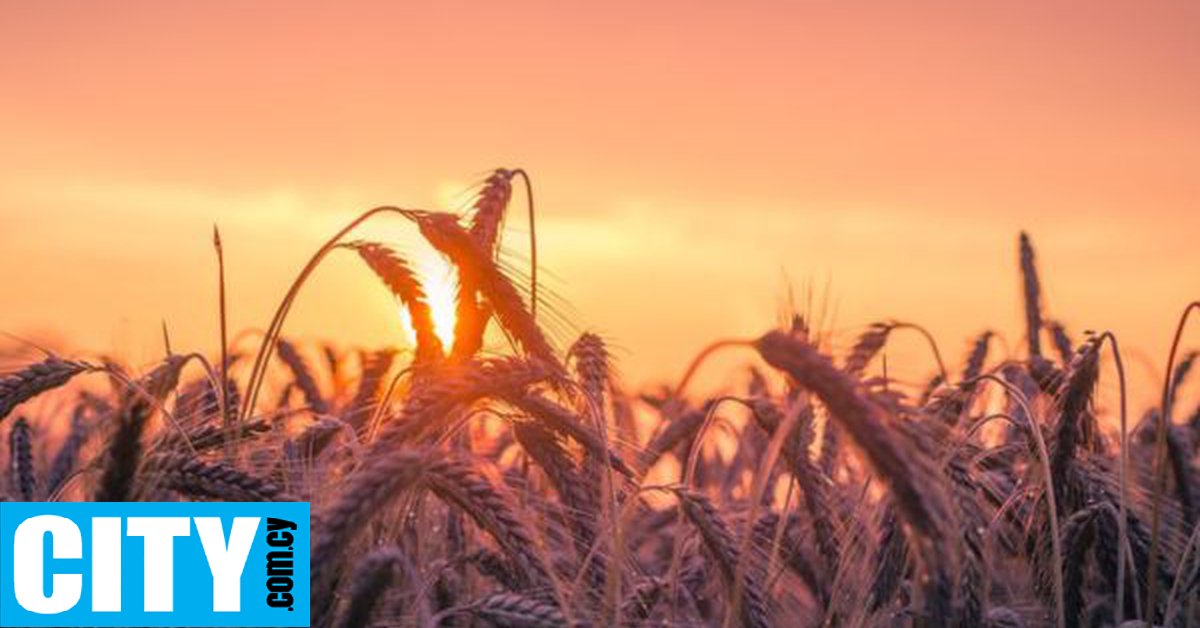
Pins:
x: 1076, y: 426
x: 395, y: 273
x: 428, y: 406
x: 973, y: 522
x: 456, y: 481
x: 978, y: 356
x: 1033, y: 296
x: 580, y: 504
x: 592, y: 370
x: 449, y: 238
x: 1062, y: 341
x: 719, y: 540
x: 233, y: 399
x: 1180, y: 458
x: 1078, y: 534
x: 124, y: 453
x: 487, y: 217
x: 364, y: 495
x: 518, y: 611
x: 486, y: 228
x: 565, y: 423
x: 375, y: 367
x: 371, y: 580
x: 670, y: 436
x: 891, y: 559
x: 814, y: 485
x: 20, y: 459
x: 67, y: 458
x: 316, y: 438
x: 591, y: 366
x: 791, y: 550
x: 333, y: 362
x: 831, y: 447
x: 302, y: 376
x: 901, y: 467
x: 162, y: 379
x: 189, y: 402
x: 212, y: 435
x: 626, y: 421
x: 1180, y: 375
x: 185, y: 474
x: 35, y: 379
x: 868, y: 346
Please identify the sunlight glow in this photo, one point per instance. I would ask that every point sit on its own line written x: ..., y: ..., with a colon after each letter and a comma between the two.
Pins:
x: 440, y: 282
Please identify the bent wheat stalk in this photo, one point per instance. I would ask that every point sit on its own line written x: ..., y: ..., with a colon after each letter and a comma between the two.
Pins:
x: 263, y: 356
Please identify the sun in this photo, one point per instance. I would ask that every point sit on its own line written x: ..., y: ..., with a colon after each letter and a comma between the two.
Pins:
x: 438, y: 278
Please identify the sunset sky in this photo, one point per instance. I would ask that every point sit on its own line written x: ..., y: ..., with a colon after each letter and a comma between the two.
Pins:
x: 692, y: 163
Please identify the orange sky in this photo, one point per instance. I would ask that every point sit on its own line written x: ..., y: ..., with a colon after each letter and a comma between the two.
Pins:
x: 691, y: 161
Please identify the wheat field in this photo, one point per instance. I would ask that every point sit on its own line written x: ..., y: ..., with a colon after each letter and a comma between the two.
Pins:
x: 466, y: 482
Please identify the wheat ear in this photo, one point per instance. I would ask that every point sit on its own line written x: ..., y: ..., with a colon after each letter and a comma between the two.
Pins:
x: 35, y: 379
x: 20, y: 459
x: 396, y: 274
x: 897, y: 464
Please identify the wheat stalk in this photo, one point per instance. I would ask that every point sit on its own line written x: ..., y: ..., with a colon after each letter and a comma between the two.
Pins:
x: 302, y: 376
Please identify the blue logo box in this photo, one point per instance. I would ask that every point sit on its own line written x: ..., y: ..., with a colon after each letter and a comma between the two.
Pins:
x: 86, y: 564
